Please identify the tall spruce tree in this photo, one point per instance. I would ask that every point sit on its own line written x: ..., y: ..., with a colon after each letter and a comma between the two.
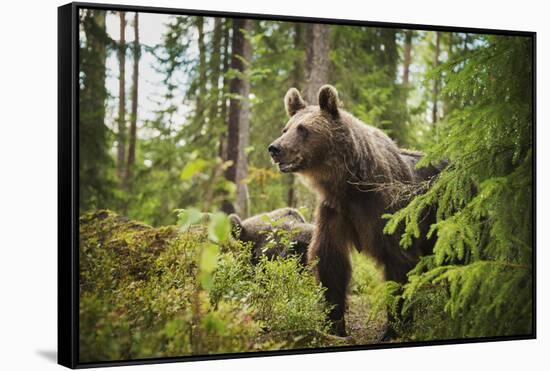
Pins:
x: 239, y: 111
x: 121, y: 119
x: 317, y: 60
x: 134, y: 114
x: 96, y: 179
x: 481, y: 267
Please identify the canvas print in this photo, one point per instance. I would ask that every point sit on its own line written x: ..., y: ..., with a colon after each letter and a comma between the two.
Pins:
x: 250, y: 185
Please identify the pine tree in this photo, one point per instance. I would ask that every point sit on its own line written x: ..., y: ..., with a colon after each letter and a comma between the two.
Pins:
x: 134, y: 113
x: 435, y: 88
x: 239, y: 111
x: 121, y: 137
x: 317, y: 60
x: 481, y: 266
x: 96, y: 181
x: 200, y: 113
x: 296, y: 77
x: 407, y: 57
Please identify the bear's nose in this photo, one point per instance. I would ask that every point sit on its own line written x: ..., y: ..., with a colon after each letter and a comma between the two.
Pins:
x: 274, y: 149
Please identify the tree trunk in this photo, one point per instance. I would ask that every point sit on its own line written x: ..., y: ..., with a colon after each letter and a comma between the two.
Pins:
x: 226, y: 61
x: 451, y: 45
x: 317, y: 60
x: 121, y: 137
x: 392, y: 118
x: 238, y: 128
x: 435, y: 92
x: 133, y: 118
x: 465, y: 43
x: 200, y: 107
x: 407, y: 57
x: 390, y: 55
x: 448, y: 101
x: 296, y: 79
x: 298, y: 69
x: 222, y: 152
x: 215, y: 71
x: 93, y: 140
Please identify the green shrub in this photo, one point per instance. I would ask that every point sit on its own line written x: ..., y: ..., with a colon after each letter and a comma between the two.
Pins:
x: 285, y: 298
x: 288, y: 300
x: 157, y: 292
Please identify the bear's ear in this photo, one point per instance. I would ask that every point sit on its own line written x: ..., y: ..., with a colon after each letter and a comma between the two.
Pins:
x: 328, y: 99
x: 236, y: 225
x: 293, y: 102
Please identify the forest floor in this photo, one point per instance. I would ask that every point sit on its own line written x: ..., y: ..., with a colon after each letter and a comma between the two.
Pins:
x: 361, y: 330
x: 362, y: 326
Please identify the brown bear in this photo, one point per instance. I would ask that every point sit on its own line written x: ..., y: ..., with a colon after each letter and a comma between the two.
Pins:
x: 359, y: 174
x: 281, y: 232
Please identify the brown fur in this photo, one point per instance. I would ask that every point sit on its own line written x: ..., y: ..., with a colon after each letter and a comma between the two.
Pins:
x: 359, y: 174
x: 259, y: 228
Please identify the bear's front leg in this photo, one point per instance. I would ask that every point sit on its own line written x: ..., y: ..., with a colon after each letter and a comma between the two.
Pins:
x: 330, y: 247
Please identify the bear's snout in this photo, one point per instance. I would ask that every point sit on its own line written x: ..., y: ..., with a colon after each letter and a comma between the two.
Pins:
x: 274, y: 150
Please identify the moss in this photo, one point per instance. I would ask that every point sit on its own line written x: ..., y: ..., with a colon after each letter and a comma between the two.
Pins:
x: 132, y: 245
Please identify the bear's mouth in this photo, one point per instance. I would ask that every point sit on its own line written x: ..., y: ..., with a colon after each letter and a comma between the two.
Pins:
x: 287, y: 167
x: 288, y: 164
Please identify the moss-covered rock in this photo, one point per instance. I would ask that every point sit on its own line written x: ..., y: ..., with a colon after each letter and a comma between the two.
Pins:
x: 133, y: 246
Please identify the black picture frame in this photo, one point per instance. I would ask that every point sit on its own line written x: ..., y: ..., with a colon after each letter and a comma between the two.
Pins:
x: 68, y: 182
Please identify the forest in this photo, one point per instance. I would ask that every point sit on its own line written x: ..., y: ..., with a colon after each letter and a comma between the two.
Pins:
x: 175, y: 117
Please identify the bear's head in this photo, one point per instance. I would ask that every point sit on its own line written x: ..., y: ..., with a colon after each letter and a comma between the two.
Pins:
x: 308, y: 137
x: 249, y: 230
x: 279, y: 233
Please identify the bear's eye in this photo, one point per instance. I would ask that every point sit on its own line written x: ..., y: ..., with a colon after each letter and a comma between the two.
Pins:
x: 285, y: 130
x: 302, y: 130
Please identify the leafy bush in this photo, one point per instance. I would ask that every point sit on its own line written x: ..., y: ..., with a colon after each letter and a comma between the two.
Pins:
x: 287, y: 301
x: 156, y: 292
